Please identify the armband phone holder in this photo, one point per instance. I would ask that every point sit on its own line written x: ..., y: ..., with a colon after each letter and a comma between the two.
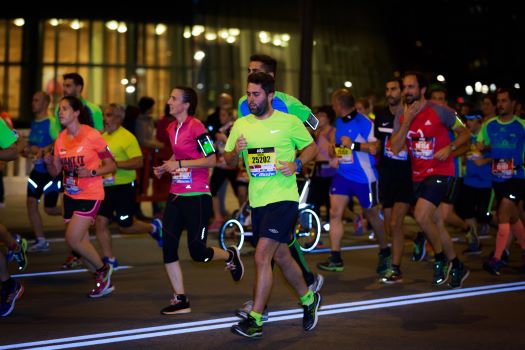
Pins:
x: 312, y: 121
x: 205, y: 145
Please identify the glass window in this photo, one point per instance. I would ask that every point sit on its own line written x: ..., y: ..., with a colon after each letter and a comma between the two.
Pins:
x: 10, y: 66
x: 15, y: 43
x: 50, y: 36
x: 99, y: 58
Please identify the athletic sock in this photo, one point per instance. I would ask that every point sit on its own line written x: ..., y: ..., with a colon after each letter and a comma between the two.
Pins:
x: 308, y: 298
x: 501, y: 239
x: 258, y: 317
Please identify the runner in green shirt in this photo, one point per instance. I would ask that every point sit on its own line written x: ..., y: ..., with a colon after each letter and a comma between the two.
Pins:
x: 73, y: 85
x: 267, y: 140
x: 291, y: 106
x: 11, y: 290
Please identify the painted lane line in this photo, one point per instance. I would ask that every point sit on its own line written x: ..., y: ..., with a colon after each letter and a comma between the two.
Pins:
x: 62, y: 272
x: 371, y: 246
x: 280, y: 318
x: 196, y: 326
x: 410, y: 297
x: 62, y: 239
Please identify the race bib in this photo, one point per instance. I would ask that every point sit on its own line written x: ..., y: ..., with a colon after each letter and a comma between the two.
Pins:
x: 262, y: 162
x: 71, y: 183
x: 181, y: 176
x: 503, y: 168
x: 423, y: 147
x: 344, y: 155
x: 402, y: 155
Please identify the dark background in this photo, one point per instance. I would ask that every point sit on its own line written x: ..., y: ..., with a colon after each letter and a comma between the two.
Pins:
x: 466, y: 41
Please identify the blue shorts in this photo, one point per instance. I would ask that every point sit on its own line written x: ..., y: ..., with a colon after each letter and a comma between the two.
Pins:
x: 275, y: 221
x: 366, y: 193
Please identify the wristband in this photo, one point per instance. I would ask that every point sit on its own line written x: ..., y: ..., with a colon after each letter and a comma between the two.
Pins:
x: 93, y: 173
x: 180, y: 165
x: 299, y: 165
x: 356, y: 146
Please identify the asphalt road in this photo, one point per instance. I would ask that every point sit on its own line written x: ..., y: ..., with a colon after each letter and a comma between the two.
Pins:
x: 357, y: 312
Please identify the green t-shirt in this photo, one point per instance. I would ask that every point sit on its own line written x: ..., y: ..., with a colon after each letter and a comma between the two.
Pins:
x: 96, y: 113
x: 124, y: 146
x: 7, y: 136
x: 270, y: 141
x: 281, y: 102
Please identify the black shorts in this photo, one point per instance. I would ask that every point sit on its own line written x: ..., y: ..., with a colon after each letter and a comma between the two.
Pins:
x: 42, y: 183
x: 454, y: 188
x: 434, y: 189
x: 395, y: 187
x: 119, y: 203
x: 511, y: 189
x: 220, y: 175
x: 275, y: 221
x: 80, y: 207
x: 474, y: 202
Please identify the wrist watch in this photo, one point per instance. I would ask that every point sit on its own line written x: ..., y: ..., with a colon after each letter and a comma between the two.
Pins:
x: 93, y: 173
x: 453, y: 147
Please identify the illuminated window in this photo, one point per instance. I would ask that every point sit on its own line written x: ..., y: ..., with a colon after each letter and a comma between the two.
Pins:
x: 10, y: 67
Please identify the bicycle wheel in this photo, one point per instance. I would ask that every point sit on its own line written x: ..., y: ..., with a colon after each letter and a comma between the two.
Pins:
x: 308, y: 229
x: 231, y: 233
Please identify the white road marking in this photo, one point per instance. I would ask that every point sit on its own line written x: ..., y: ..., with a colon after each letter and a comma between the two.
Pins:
x: 200, y: 326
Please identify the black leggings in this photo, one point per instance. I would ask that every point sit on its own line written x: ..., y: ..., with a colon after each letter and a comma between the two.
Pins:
x: 192, y: 213
x: 220, y: 175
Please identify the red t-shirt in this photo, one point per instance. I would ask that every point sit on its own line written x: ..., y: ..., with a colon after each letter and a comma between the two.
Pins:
x: 430, y: 131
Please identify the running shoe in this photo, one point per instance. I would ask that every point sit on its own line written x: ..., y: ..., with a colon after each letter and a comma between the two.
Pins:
x: 474, y: 245
x: 441, y: 272
x: 458, y: 275
x: 235, y: 264
x: 72, y: 262
x: 247, y: 328
x: 317, y: 284
x: 39, y: 246
x: 391, y: 276
x: 157, y: 232
x: 384, y: 263
x: 330, y: 265
x: 20, y: 256
x: 103, y: 284
x: 420, y: 250
x: 493, y: 265
x: 8, y: 298
x: 178, y: 305
x: 310, y: 315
